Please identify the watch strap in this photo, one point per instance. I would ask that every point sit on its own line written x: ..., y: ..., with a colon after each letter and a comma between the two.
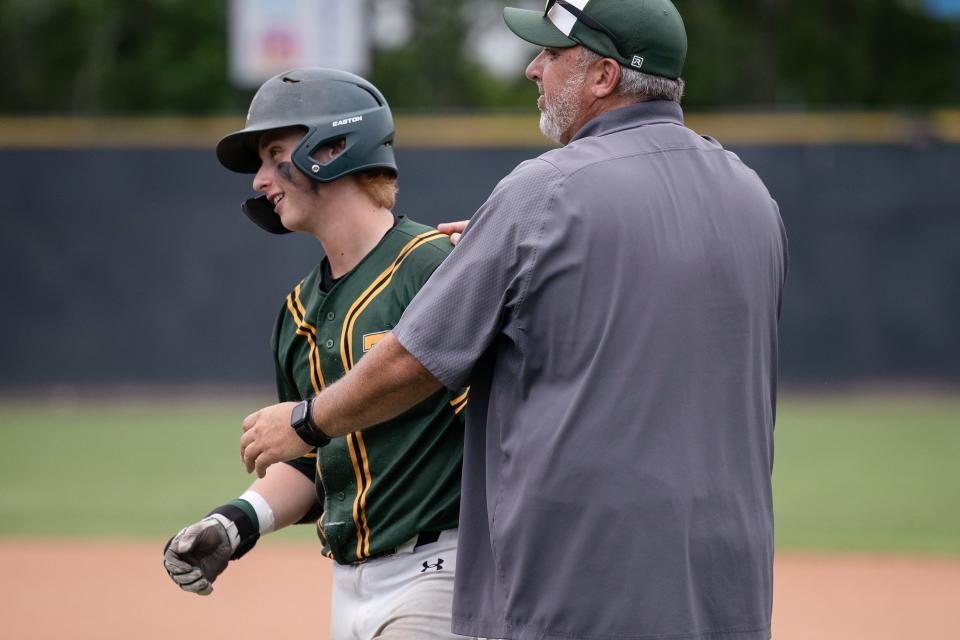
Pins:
x: 307, y: 429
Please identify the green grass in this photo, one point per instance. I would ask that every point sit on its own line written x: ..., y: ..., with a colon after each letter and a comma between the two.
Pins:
x: 868, y: 472
x: 858, y: 472
x: 120, y: 469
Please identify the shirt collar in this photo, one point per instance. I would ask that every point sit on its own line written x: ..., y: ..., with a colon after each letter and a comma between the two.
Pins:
x: 631, y: 116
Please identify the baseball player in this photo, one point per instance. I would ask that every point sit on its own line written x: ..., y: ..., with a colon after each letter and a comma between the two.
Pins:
x: 320, y: 143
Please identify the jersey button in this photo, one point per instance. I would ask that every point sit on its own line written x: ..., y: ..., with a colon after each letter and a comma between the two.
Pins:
x: 331, y: 316
x: 329, y: 344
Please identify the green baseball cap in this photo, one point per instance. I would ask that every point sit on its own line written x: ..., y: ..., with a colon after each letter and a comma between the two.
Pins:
x: 646, y: 35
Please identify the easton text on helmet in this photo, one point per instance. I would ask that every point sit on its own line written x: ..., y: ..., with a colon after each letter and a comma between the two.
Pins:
x: 337, y: 123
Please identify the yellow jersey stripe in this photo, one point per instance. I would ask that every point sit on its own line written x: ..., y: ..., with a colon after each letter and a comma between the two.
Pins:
x: 383, y: 280
x: 314, y: 355
x: 345, y: 334
x: 361, y: 463
x: 386, y: 278
x: 363, y: 496
x: 359, y: 519
x: 460, y: 397
x: 460, y: 402
x: 303, y: 311
x: 304, y: 329
x: 323, y: 535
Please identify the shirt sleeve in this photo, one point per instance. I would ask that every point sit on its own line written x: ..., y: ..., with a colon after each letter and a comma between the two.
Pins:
x: 477, y: 292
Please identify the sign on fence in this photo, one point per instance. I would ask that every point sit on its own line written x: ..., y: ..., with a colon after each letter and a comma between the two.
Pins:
x: 270, y: 36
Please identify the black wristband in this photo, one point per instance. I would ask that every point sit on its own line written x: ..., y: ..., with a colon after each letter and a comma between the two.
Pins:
x: 301, y: 421
x: 249, y: 533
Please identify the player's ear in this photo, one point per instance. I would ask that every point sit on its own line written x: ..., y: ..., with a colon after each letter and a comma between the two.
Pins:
x: 329, y: 151
x: 604, y: 76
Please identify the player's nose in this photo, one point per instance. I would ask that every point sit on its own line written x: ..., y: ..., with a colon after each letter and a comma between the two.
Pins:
x: 261, y: 181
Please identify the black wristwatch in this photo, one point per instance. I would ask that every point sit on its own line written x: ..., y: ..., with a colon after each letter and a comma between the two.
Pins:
x: 301, y: 421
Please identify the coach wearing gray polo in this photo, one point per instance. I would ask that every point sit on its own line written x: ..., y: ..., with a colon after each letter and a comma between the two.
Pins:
x: 613, y: 307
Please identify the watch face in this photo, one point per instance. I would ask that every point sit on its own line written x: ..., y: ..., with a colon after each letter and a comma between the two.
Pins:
x: 299, y: 412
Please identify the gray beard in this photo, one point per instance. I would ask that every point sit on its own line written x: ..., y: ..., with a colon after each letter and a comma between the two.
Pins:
x: 562, y: 112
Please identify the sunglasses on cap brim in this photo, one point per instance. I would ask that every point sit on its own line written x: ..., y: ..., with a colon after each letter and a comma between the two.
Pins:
x: 589, y: 22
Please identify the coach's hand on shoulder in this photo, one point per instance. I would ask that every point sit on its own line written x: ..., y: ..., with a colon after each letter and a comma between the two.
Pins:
x: 453, y: 229
x: 268, y: 438
x: 197, y: 555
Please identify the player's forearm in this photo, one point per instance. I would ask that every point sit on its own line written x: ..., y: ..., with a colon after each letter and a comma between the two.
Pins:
x: 386, y: 382
x: 288, y: 492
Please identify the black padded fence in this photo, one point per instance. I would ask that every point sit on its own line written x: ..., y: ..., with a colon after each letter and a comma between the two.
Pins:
x: 136, y: 266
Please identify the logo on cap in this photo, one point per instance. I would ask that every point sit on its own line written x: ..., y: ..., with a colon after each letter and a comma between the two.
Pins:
x: 637, y: 62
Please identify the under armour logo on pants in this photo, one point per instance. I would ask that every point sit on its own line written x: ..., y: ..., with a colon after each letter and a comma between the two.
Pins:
x: 438, y: 565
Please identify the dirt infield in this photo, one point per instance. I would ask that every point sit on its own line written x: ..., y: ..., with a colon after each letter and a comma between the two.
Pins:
x: 106, y: 591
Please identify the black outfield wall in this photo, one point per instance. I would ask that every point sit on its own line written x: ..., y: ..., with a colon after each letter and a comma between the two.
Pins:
x: 136, y: 266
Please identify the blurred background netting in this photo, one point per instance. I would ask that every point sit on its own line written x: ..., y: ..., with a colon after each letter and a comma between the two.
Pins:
x: 136, y: 301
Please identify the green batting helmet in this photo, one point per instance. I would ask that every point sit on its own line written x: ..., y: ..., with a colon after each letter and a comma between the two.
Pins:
x: 331, y: 105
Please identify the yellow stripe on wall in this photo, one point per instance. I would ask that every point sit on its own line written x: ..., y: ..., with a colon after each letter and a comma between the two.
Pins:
x: 946, y: 125
x: 503, y: 130
x: 806, y: 128
x: 81, y: 132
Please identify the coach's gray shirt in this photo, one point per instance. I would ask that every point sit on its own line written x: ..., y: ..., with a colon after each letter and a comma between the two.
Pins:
x: 613, y: 307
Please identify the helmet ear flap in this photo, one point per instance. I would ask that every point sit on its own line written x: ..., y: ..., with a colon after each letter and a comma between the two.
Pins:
x: 261, y: 212
x: 368, y: 144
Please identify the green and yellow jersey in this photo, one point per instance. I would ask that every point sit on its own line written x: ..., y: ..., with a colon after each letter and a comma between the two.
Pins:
x: 381, y: 487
